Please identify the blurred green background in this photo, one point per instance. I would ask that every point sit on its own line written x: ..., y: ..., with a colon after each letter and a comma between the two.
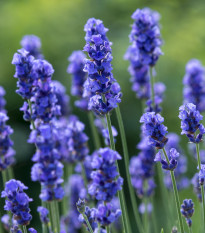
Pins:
x: 60, y: 23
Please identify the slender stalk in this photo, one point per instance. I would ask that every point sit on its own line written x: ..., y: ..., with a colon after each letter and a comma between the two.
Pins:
x: 24, y: 229
x: 84, y: 174
x: 145, y: 217
x: 108, y: 229
x: 190, y: 229
x: 4, y: 177
x: 10, y: 173
x: 202, y: 186
x: 95, y: 134
x: 126, y: 160
x: 153, y: 217
x: 87, y: 222
x: 176, y: 195
x: 54, y: 217
x: 152, y: 85
x: 30, y: 108
x: 125, y: 219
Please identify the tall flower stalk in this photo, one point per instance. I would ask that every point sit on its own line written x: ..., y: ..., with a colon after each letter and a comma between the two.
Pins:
x: 156, y: 131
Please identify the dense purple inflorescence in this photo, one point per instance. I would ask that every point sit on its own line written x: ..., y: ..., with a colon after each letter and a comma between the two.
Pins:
x: 32, y: 44
x: 154, y: 129
x: 187, y: 210
x: 190, y: 122
x: 6, y: 151
x: 105, y: 92
x: 43, y: 212
x: 17, y: 202
x: 2, y: 100
x: 194, y: 81
x: 145, y: 35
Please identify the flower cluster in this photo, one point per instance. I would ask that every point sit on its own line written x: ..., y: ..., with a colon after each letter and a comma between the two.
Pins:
x: 26, y: 80
x: 139, y: 72
x: 154, y: 129
x: 2, y: 100
x: 17, y: 202
x: 196, y: 186
x: 202, y: 175
x: 190, y: 122
x: 194, y: 82
x: 179, y: 172
x: 47, y: 169
x: 32, y: 44
x: 146, y: 36
x: 75, y: 68
x: 100, y: 83
x: 105, y: 179
x: 142, y: 169
x: 43, y: 212
x: 187, y: 210
x: 172, y: 163
x: 6, y: 151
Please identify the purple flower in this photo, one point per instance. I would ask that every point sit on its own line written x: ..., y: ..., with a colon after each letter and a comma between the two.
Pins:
x: 172, y: 164
x: 2, y: 100
x: 154, y: 129
x: 43, y: 212
x: 196, y: 186
x: 105, y: 214
x: 139, y: 73
x: 105, y: 177
x: 145, y: 207
x: 15, y: 229
x: 187, y: 210
x: 48, y: 170
x: 105, y: 94
x: 194, y: 82
x: 190, y: 118
x: 17, y: 202
x: 26, y: 79
x: 146, y: 36
x: 6, y: 151
x: 32, y: 44
x: 32, y: 230
x: 91, y: 215
x: 5, y: 219
x: 63, y: 100
x: 75, y: 68
x: 202, y: 174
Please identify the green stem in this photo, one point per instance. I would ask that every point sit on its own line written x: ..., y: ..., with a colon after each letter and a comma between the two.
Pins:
x: 30, y: 108
x: 84, y: 174
x: 24, y: 229
x: 95, y: 134
x: 145, y: 217
x: 125, y: 219
x: 4, y: 177
x: 87, y: 222
x: 153, y: 216
x: 107, y: 229
x: 152, y: 85
x: 54, y: 217
x: 126, y: 160
x: 176, y: 195
x: 202, y: 186
x: 190, y: 229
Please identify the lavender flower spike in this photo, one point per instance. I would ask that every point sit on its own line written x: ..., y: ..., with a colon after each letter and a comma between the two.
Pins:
x: 187, y: 210
x: 32, y: 44
x: 190, y: 122
x: 146, y: 36
x: 2, y: 100
x: 17, y: 202
x: 194, y: 82
x: 6, y: 151
x: 154, y: 129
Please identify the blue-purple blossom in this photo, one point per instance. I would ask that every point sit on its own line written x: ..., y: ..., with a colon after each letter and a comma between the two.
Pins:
x: 63, y: 100
x: 105, y: 94
x: 194, y: 82
x: 32, y: 44
x: 154, y: 129
x: 48, y: 170
x: 32, y: 230
x: 190, y: 122
x: 6, y: 151
x: 105, y: 214
x: 43, y: 212
x: 105, y: 177
x: 139, y: 72
x: 91, y: 215
x: 17, y: 202
x: 172, y: 156
x: 142, y: 169
x: 187, y: 210
x: 2, y: 100
x: 145, y: 35
x: 15, y: 229
x: 202, y: 174
x: 75, y: 68
x: 5, y: 220
x: 196, y: 186
x: 159, y: 89
x: 26, y: 80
